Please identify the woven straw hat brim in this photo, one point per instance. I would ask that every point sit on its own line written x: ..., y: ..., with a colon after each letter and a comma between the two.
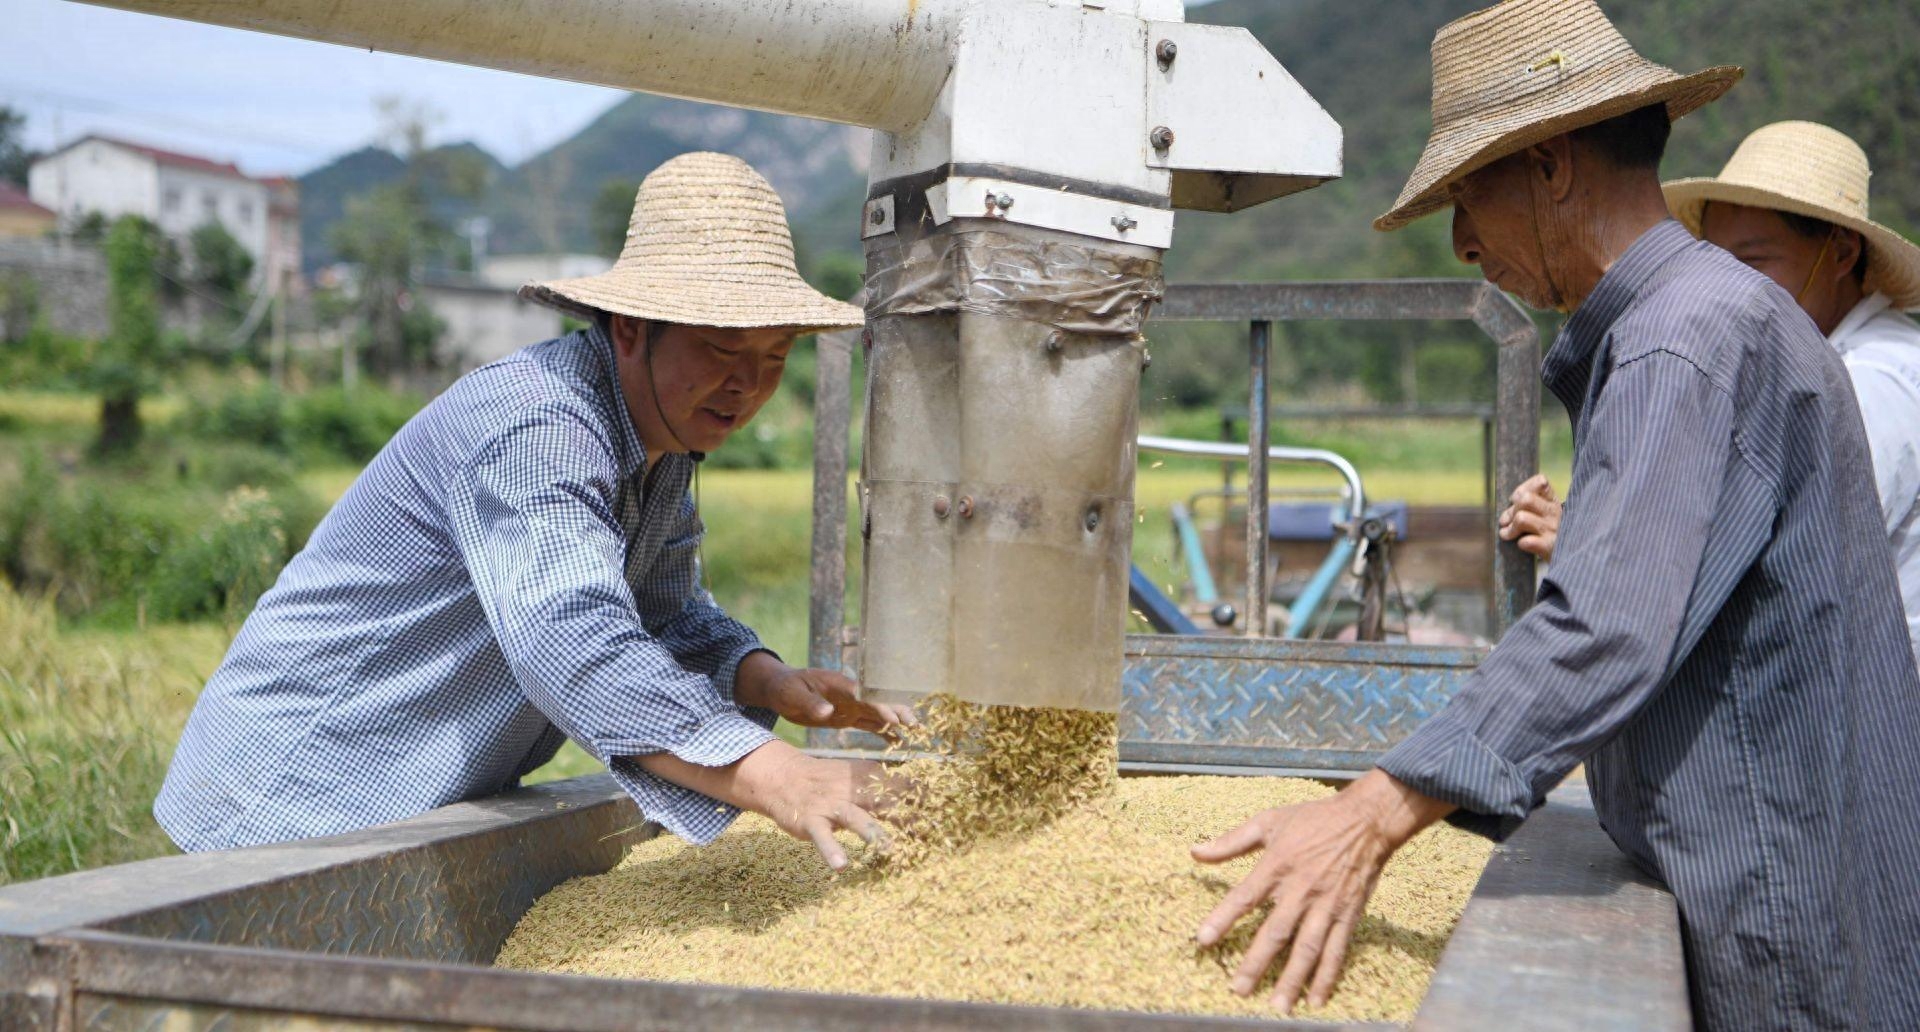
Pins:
x: 730, y: 305
x: 707, y: 245
x: 1893, y: 261
x: 1469, y: 146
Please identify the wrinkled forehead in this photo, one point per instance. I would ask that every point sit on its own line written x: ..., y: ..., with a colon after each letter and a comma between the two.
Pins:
x: 758, y: 338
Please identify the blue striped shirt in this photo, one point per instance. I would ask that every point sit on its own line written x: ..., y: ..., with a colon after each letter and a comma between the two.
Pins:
x: 507, y: 573
x: 1720, y: 639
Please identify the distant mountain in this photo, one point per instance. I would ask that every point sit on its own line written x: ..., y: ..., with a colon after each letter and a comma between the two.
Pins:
x: 324, y: 192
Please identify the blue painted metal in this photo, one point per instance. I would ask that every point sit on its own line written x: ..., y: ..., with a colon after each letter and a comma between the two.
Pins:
x: 1160, y: 611
x: 1199, y: 574
x: 1314, y: 595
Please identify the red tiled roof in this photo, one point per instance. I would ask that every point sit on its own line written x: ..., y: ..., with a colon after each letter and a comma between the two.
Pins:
x: 12, y: 198
x: 164, y: 157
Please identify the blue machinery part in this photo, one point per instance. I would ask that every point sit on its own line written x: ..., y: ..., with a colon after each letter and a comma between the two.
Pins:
x: 1314, y: 596
x: 1153, y: 604
x: 1199, y: 574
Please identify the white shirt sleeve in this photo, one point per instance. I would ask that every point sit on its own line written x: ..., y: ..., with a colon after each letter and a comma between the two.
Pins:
x: 1890, y: 407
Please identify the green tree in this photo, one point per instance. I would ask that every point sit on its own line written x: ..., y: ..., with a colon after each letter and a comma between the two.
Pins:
x: 15, y: 158
x: 221, y: 264
x: 389, y: 233
x: 128, y: 362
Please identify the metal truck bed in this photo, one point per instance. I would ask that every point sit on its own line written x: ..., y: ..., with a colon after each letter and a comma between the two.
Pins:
x: 394, y: 928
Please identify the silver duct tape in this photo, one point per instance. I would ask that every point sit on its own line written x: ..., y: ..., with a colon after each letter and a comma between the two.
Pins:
x: 1028, y: 277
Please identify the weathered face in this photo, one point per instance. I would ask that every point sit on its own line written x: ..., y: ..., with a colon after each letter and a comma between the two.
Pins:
x: 700, y: 384
x: 1762, y: 240
x: 1493, y: 227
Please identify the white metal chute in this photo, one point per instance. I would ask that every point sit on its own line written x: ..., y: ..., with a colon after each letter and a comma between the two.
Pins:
x: 875, y: 63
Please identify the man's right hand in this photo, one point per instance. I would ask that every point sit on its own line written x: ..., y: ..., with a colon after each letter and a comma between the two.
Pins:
x: 1533, y: 520
x: 809, y: 798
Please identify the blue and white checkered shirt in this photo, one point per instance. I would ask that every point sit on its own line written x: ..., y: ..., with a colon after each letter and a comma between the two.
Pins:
x: 506, y: 572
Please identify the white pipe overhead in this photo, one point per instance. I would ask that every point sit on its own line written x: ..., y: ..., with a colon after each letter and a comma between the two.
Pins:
x: 875, y: 63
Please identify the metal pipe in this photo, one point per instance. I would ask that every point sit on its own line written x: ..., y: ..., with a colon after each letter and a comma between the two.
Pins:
x: 1204, y: 590
x: 1516, y: 443
x: 1259, y: 348
x: 1356, y: 490
x: 875, y: 63
x: 832, y: 414
x: 1314, y: 595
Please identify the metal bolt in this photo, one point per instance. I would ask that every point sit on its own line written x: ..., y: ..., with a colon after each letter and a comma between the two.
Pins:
x: 1123, y: 222
x: 877, y: 216
x: 1093, y: 518
x: 1005, y: 200
x: 1054, y: 343
x: 966, y: 507
x: 1161, y: 137
x: 941, y: 505
x: 1166, y: 52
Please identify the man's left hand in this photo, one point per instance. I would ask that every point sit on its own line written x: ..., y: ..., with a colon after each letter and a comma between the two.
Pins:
x: 1321, y: 862
x: 813, y: 698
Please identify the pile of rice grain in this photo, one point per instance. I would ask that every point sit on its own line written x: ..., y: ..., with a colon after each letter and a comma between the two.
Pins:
x: 1096, y: 908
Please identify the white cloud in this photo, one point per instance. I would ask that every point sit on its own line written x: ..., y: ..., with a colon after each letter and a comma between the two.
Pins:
x: 270, y: 103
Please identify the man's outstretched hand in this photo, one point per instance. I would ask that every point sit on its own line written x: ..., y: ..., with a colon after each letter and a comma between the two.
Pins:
x: 812, y: 698
x: 1533, y: 519
x: 1321, y: 862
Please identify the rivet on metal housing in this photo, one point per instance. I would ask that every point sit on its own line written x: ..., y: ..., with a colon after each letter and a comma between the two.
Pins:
x: 877, y: 216
x: 1093, y: 518
x: 1004, y: 200
x: 941, y: 505
x: 1166, y: 52
x: 1123, y: 222
x: 1054, y: 343
x: 1161, y: 137
x: 966, y: 507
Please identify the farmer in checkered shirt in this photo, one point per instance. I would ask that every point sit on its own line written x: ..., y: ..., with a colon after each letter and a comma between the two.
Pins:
x: 519, y: 566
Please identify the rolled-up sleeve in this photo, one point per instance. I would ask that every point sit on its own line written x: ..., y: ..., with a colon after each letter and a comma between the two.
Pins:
x: 1621, y: 608
x: 533, y: 518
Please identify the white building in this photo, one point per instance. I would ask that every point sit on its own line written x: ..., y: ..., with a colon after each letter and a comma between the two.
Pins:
x: 510, y: 271
x: 178, y: 192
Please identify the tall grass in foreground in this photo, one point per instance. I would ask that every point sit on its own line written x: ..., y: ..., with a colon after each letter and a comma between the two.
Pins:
x: 87, y: 723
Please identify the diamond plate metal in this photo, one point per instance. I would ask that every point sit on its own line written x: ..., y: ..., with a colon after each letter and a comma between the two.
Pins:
x: 1279, y: 703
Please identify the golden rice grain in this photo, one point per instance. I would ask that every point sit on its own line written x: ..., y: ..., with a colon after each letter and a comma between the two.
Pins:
x: 1095, y: 909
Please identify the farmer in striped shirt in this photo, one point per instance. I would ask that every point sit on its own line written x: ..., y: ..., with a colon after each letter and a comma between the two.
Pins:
x: 1721, y: 640
x: 519, y: 566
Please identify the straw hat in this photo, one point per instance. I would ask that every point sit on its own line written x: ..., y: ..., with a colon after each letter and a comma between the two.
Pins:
x: 1513, y: 75
x: 1807, y: 169
x: 708, y: 245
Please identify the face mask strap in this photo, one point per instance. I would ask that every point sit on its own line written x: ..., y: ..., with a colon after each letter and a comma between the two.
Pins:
x: 1815, y: 271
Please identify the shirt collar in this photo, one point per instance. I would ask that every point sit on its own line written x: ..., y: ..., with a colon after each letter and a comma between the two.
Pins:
x: 1569, y: 363
x: 1864, y: 312
x: 629, y: 453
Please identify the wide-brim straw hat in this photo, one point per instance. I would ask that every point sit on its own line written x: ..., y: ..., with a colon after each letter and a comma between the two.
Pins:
x: 1813, y: 170
x: 1513, y: 75
x: 708, y: 245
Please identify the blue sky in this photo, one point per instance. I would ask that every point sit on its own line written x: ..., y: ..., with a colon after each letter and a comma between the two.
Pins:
x: 271, y: 104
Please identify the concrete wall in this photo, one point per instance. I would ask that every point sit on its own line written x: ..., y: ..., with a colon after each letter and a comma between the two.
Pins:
x: 71, y: 283
x: 485, y: 323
